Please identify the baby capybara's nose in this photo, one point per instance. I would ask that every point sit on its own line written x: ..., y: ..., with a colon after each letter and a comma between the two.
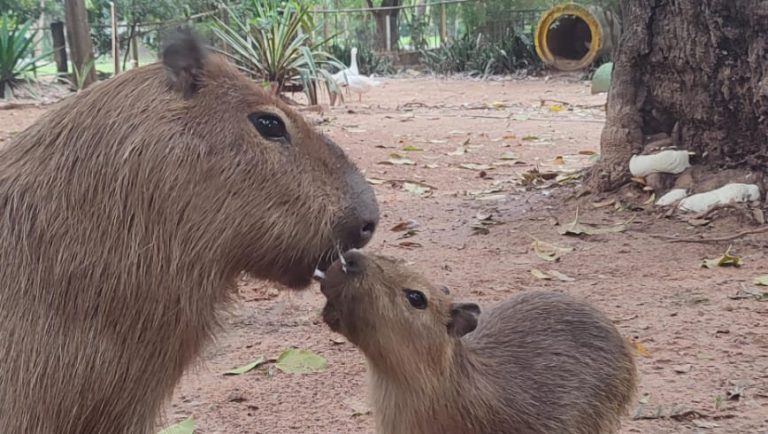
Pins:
x: 353, y: 262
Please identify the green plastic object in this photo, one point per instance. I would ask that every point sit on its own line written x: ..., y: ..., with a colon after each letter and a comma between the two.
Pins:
x: 601, y: 80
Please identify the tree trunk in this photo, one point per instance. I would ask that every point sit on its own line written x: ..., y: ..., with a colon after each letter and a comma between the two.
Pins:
x: 692, y: 71
x: 381, y: 23
x: 79, y: 38
x: 59, y: 49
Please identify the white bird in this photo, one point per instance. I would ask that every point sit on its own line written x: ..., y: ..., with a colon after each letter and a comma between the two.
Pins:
x: 352, y: 80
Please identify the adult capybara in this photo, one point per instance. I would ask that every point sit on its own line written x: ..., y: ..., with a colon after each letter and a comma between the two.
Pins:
x: 538, y: 363
x: 126, y: 215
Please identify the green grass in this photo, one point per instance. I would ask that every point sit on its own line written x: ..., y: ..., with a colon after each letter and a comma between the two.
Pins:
x: 103, y: 64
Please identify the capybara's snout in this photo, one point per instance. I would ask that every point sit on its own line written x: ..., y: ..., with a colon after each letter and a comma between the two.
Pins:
x: 361, y: 217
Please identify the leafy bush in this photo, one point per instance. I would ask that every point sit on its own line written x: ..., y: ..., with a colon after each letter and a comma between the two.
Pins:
x: 368, y: 62
x: 476, y: 56
x: 16, y: 42
x: 275, y: 46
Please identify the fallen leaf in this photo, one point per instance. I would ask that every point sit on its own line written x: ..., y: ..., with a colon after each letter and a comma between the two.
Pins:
x: 508, y: 156
x: 482, y: 216
x: 587, y: 152
x: 374, y: 181
x: 759, y: 216
x: 560, y: 276
x: 540, y: 274
x: 735, y: 393
x: 355, y: 130
x: 529, y: 138
x: 604, y: 203
x: 701, y: 423
x: 338, y: 340
x: 639, y: 347
x: 480, y: 230
x: 682, y: 369
x: 651, y: 199
x: 492, y: 197
x: 245, y: 368
x: 405, y: 225
x: 549, y: 252
x: 725, y: 260
x: 559, y: 160
x: 359, y: 408
x: 436, y: 142
x: 408, y: 234
x: 698, y: 222
x: 498, y: 104
x: 576, y: 228
x: 431, y: 166
x: 398, y: 161
x: 761, y: 280
x: 409, y: 244
x: 556, y: 108
x: 474, y: 166
x: 749, y: 293
x: 415, y: 188
x: 186, y: 426
x: 411, y: 148
x: 520, y: 117
x: 509, y: 137
x: 461, y: 150
x: 296, y: 361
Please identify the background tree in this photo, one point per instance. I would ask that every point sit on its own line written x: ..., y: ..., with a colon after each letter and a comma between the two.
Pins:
x: 692, y: 71
x: 79, y: 39
x: 380, y: 16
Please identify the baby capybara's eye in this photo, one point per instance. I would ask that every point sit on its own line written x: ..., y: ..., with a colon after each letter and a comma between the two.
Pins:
x: 269, y: 125
x: 416, y: 298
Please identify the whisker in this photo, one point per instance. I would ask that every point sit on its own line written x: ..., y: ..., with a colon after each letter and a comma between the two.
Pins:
x: 341, y: 259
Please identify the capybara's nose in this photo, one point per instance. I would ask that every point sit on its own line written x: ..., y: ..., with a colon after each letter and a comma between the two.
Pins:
x: 360, y: 220
x: 352, y: 262
x: 366, y: 232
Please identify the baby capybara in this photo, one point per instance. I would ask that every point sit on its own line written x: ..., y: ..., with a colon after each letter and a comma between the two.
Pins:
x: 538, y: 363
x: 127, y: 213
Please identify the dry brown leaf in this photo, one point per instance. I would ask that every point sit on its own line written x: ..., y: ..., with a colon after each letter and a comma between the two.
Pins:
x: 540, y: 274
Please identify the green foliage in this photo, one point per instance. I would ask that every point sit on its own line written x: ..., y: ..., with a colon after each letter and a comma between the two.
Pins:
x: 275, y: 46
x: 16, y: 63
x: 368, y: 62
x: 476, y: 56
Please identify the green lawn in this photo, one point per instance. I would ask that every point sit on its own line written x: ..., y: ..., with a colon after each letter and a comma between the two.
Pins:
x: 103, y: 64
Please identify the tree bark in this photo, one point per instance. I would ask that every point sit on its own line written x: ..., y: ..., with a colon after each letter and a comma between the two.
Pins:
x: 79, y: 37
x: 381, y: 23
x: 693, y: 70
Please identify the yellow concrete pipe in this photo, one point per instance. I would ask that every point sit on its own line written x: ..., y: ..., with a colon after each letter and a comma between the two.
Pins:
x: 570, y: 37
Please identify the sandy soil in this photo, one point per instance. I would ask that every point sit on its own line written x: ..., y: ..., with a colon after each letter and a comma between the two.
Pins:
x: 705, y: 358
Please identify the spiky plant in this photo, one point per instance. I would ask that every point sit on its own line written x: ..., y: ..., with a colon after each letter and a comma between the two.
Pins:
x: 275, y: 47
x: 16, y: 42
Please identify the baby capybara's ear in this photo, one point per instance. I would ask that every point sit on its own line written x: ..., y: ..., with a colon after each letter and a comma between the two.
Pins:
x: 183, y: 55
x: 463, y: 318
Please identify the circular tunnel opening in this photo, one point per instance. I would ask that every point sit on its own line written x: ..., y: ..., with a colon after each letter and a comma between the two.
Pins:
x: 569, y: 38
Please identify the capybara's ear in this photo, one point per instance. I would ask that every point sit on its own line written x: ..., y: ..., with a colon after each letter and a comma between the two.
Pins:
x: 463, y: 318
x: 183, y: 55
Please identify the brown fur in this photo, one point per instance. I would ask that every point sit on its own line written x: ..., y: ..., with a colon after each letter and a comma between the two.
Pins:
x: 126, y: 215
x: 538, y: 363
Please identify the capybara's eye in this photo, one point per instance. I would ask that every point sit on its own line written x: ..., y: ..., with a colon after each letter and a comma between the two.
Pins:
x: 269, y: 125
x: 416, y: 298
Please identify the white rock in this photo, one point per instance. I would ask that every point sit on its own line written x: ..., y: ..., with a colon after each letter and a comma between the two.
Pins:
x: 730, y: 193
x: 669, y: 161
x: 672, y: 196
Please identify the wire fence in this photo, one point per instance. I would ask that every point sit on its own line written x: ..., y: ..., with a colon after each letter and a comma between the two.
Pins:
x: 409, y: 28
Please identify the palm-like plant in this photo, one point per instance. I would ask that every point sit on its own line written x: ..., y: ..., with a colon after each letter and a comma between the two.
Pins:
x: 276, y: 47
x: 15, y: 46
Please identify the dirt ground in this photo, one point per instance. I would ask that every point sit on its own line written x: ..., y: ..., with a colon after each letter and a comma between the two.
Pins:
x: 703, y: 349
